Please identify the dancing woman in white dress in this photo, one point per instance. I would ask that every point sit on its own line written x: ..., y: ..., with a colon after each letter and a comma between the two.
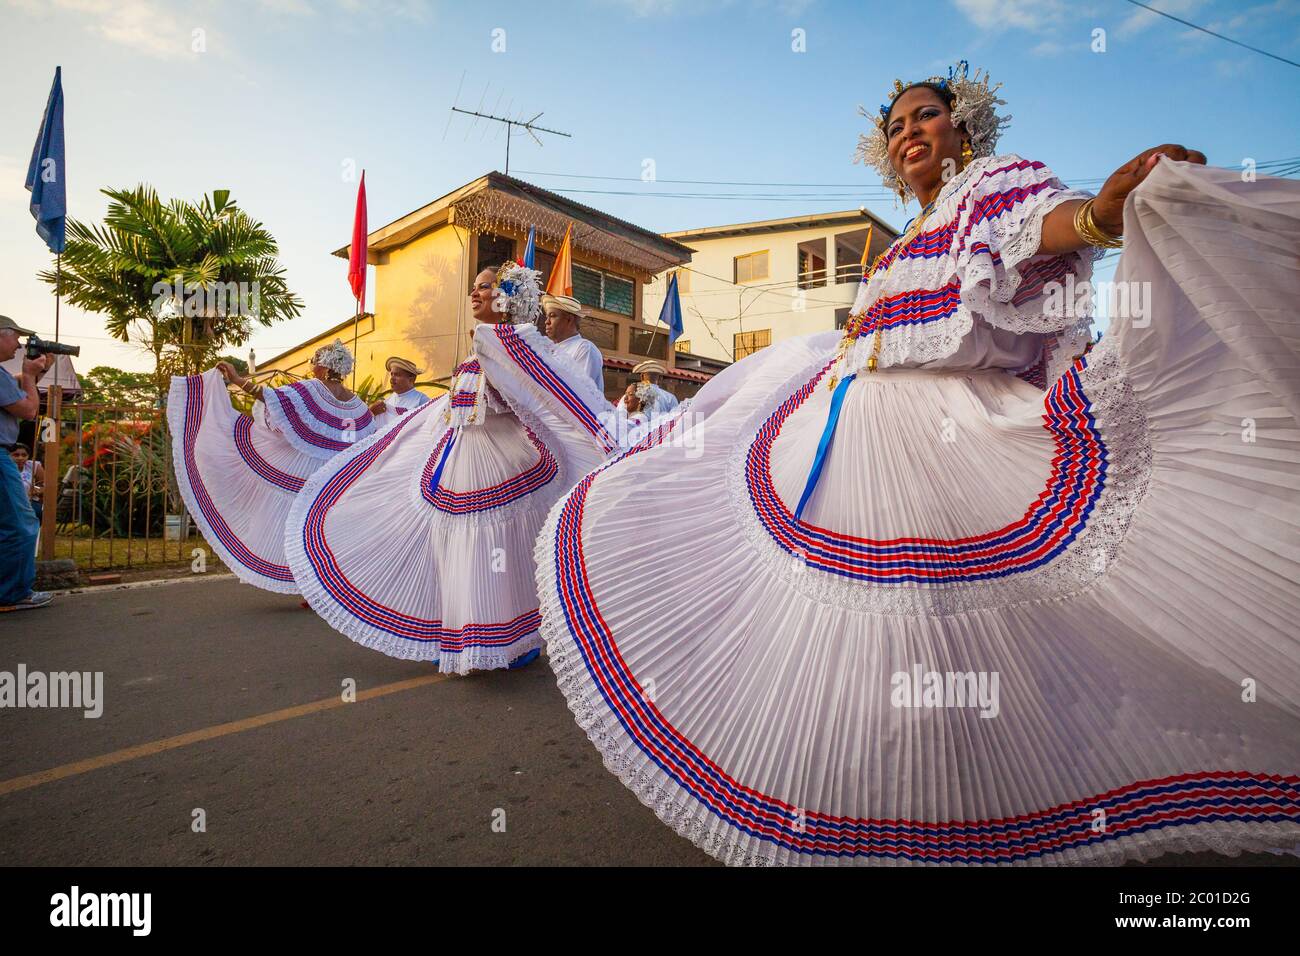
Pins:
x: 238, y: 474
x: 950, y: 591
x: 419, y: 542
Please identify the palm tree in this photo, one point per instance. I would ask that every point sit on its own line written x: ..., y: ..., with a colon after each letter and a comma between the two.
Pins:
x: 190, y: 279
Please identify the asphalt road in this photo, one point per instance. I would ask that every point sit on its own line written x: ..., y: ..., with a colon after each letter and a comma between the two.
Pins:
x: 419, y: 775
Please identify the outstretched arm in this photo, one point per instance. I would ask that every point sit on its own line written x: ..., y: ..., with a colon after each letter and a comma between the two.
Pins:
x: 1062, y: 231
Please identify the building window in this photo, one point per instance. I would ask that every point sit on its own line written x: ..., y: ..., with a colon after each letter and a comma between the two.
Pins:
x: 682, y: 345
x: 812, y: 263
x: 492, y: 251
x: 544, y: 262
x: 617, y: 297
x: 586, y: 286
x: 752, y: 267
x: 650, y: 343
x: 603, y: 333
x: 842, y: 317
x: 848, y: 253
x: 603, y: 290
x: 747, y: 343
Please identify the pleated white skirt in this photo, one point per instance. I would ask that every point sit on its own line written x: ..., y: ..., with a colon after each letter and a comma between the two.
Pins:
x: 418, y: 541
x: 1010, y: 626
x: 237, y: 477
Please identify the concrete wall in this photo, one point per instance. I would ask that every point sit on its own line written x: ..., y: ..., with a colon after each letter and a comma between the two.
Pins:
x: 776, y: 303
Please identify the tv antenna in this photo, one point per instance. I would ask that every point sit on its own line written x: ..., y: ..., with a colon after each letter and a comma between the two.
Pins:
x: 529, y: 126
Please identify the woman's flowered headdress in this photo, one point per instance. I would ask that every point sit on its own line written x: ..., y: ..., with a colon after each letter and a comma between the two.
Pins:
x: 334, y: 357
x: 522, y: 289
x: 973, y: 108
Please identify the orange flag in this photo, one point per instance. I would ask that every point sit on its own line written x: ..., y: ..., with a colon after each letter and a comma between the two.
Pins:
x: 561, y: 280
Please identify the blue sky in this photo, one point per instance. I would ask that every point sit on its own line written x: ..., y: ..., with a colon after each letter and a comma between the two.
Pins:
x: 286, y: 93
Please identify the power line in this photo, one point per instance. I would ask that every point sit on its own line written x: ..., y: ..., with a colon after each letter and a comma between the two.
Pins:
x: 1278, y: 167
x: 724, y: 182
x: 1188, y: 23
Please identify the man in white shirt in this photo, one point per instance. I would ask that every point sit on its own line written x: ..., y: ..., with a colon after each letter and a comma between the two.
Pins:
x: 562, y: 315
x: 404, y: 397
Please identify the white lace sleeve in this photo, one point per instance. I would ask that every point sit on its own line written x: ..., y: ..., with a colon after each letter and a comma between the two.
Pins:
x: 999, y: 227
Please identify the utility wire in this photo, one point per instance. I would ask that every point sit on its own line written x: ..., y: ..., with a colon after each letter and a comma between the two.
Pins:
x: 1189, y: 23
x: 856, y: 188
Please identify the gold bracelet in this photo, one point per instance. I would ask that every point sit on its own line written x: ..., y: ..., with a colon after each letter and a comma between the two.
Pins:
x: 1085, y: 225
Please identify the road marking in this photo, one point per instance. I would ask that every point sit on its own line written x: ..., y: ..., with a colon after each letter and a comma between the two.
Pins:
x: 208, y: 733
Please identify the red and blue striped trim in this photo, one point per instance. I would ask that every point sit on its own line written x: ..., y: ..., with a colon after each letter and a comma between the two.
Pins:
x: 1047, y: 528
x: 922, y: 306
x: 304, y: 392
x: 913, y: 307
x: 302, y: 430
x: 217, y: 528
x: 1146, y: 805
x: 532, y: 365
x: 536, y: 476
x: 259, y: 465
x: 451, y: 640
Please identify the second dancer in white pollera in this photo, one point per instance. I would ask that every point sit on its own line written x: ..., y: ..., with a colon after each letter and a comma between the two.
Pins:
x: 238, y: 473
x: 468, y: 480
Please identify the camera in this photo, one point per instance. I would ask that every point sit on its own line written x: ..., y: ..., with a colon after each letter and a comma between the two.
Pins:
x: 37, y: 346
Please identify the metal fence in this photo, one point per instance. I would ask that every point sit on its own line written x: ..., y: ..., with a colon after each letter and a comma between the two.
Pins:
x: 117, y: 504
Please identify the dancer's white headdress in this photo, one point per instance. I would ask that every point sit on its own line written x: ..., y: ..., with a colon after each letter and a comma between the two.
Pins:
x: 972, y: 101
x: 334, y: 357
x: 523, y: 291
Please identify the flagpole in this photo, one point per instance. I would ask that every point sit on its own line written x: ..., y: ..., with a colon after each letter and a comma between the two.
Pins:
x: 356, y: 320
x: 54, y: 410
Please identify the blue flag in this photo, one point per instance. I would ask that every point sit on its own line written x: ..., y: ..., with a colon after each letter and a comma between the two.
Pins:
x: 671, y: 314
x: 45, y: 175
x: 530, y: 250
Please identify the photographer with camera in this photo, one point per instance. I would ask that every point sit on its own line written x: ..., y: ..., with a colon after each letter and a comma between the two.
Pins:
x: 18, y: 525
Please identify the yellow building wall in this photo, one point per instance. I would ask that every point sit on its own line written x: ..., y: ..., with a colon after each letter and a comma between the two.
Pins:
x: 422, y: 304
x: 298, y: 360
x: 420, y: 297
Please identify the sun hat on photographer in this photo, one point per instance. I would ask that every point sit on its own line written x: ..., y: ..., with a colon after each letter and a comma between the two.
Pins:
x: 8, y: 323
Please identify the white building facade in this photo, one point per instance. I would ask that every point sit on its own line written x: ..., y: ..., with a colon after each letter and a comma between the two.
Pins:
x: 751, y: 284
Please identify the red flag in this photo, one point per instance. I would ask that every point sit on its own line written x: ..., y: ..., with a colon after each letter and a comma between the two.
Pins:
x: 357, y: 262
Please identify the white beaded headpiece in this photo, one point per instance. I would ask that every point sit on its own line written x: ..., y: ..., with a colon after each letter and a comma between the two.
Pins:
x: 973, y: 108
x: 334, y: 357
x: 523, y: 291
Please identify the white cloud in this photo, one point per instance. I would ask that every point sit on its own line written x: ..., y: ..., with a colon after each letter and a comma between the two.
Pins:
x: 1033, y: 15
x: 297, y: 8
x: 418, y: 11
x: 1047, y: 48
x: 668, y: 8
x: 137, y: 24
x: 1140, y: 20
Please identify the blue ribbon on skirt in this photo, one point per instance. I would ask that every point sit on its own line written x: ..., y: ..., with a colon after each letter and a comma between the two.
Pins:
x: 832, y: 419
